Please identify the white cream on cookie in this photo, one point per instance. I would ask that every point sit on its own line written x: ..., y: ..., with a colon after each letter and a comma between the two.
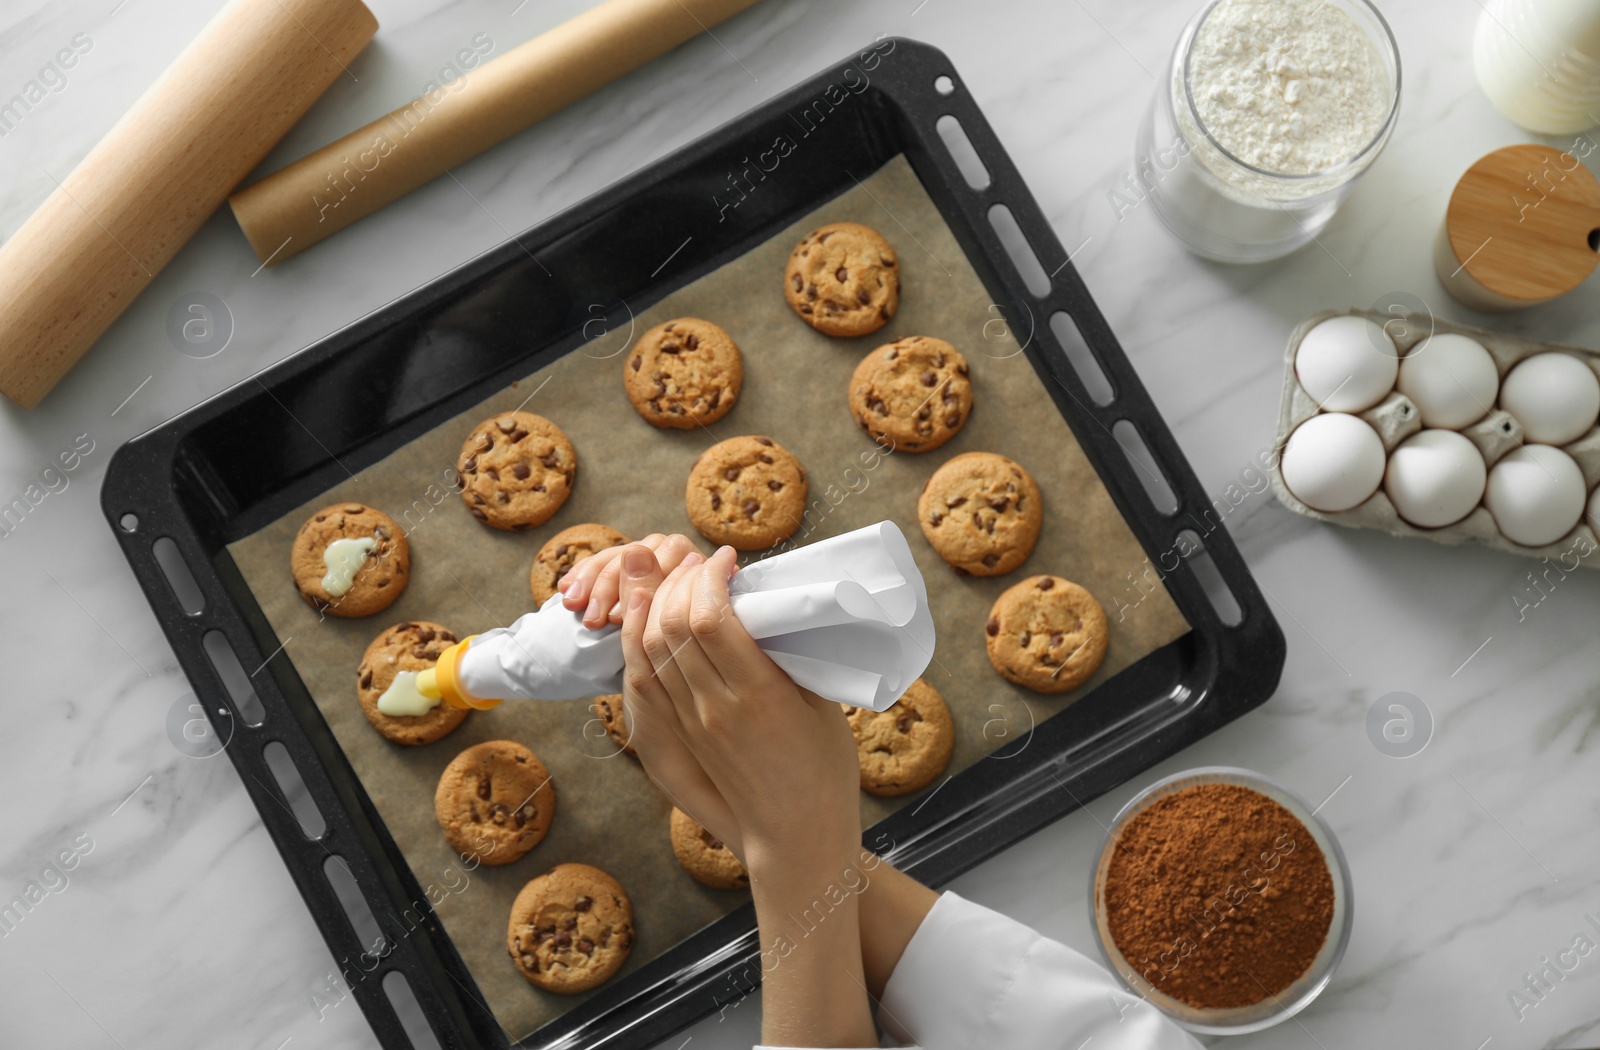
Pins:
x: 344, y: 558
x: 402, y: 699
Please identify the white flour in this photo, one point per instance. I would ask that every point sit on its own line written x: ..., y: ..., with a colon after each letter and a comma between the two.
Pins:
x: 1288, y: 86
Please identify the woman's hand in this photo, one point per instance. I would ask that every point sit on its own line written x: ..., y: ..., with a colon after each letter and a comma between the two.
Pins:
x: 594, y: 585
x: 784, y: 759
x: 652, y: 721
x: 782, y: 764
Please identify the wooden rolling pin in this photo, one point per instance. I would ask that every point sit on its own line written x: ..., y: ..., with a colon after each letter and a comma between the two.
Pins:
x: 1522, y: 227
x: 144, y: 190
x: 318, y: 195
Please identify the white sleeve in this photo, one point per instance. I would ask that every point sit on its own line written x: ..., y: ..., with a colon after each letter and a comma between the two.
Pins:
x: 973, y: 978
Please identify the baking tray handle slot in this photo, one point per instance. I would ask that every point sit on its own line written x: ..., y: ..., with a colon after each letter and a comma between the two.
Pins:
x: 1019, y: 251
x: 292, y: 790
x: 1190, y: 549
x: 963, y: 152
x: 1151, y: 476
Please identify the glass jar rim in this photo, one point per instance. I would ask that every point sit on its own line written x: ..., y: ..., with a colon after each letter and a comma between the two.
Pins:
x: 1378, y: 138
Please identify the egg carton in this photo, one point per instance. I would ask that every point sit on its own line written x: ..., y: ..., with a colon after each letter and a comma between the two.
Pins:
x: 1396, y: 418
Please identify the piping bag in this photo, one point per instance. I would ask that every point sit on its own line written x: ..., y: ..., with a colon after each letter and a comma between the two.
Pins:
x: 846, y: 617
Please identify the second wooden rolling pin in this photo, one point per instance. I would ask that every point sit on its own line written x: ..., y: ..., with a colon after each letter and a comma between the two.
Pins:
x: 318, y: 195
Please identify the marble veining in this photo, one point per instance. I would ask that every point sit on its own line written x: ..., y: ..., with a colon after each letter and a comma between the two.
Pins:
x: 1475, y: 860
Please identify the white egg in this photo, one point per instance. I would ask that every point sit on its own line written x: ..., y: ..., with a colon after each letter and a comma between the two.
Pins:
x: 1554, y: 396
x: 1535, y: 494
x: 1434, y: 478
x: 1347, y: 364
x: 1451, y: 379
x: 1332, y: 462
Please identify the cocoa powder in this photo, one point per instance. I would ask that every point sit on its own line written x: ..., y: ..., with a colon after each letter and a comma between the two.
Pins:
x: 1218, y: 896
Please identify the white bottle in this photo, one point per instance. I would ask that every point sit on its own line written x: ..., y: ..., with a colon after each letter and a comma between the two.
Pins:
x: 1539, y: 62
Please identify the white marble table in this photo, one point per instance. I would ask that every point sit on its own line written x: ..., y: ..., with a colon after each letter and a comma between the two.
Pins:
x: 1473, y: 860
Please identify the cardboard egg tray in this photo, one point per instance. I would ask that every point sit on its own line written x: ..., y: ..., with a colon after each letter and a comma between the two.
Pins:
x: 1396, y: 418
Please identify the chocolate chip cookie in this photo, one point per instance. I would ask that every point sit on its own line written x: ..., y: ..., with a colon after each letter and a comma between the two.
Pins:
x: 982, y: 512
x: 843, y: 279
x: 608, y: 709
x: 704, y: 856
x: 515, y: 470
x: 904, y: 748
x: 566, y: 549
x: 1047, y: 634
x: 747, y: 492
x: 912, y: 395
x: 683, y: 374
x: 411, y: 646
x: 570, y: 929
x: 350, y: 560
x: 496, y: 801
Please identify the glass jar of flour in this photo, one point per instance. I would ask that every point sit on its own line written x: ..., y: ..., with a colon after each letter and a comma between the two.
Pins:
x: 1270, y: 110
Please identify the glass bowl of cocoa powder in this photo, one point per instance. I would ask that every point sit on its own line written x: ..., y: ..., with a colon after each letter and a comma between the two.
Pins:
x: 1222, y: 899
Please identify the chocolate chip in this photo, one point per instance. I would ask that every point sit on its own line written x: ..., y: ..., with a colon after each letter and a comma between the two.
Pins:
x: 670, y: 348
x: 798, y: 283
x: 506, y: 425
x: 354, y: 508
x: 716, y: 501
x: 691, y: 342
x: 716, y: 396
x: 502, y: 496
x: 551, y: 459
x: 1046, y: 583
x: 426, y: 634
x: 891, y: 354
x: 366, y: 679
x: 993, y: 626
x: 936, y: 519
x: 530, y: 964
x: 1056, y: 640
x: 732, y: 473
x: 479, y: 514
x: 585, y: 945
x: 563, y: 939
x: 518, y: 435
x: 521, y: 817
x: 763, y: 441
x: 961, y: 369
x: 636, y: 362
x: 498, y: 813
x: 990, y: 560
x: 559, y: 551
x: 999, y: 504
x: 1027, y: 636
x: 583, y: 904
x: 322, y: 517
x: 485, y: 442
x: 928, y: 378
x: 571, y: 923
x: 878, y: 406
x: 750, y: 508
x: 958, y: 501
x: 953, y: 419
x: 775, y: 486
x: 521, y: 470
x: 494, y: 475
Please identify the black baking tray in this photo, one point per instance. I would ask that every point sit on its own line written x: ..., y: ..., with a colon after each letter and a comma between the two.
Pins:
x: 229, y: 466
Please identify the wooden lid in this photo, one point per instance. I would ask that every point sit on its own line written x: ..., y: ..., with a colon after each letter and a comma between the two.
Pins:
x: 1524, y: 222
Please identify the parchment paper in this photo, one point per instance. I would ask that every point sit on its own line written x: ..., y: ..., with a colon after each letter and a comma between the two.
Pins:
x: 632, y: 476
